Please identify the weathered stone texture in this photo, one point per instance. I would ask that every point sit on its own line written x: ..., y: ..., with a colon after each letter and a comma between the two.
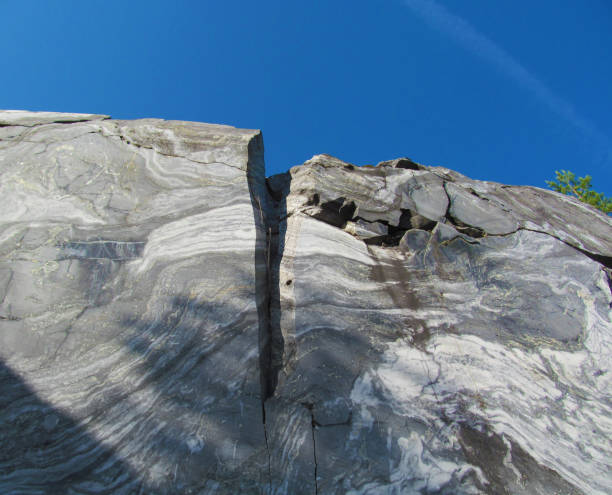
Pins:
x: 469, y: 357
x: 171, y: 321
x: 130, y: 326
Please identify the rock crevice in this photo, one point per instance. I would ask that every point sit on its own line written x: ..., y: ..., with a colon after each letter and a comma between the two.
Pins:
x: 172, y: 321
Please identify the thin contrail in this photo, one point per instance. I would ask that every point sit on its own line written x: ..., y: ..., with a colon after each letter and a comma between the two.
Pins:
x: 467, y: 36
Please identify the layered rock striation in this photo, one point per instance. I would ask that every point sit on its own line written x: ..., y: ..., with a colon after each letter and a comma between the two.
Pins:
x: 171, y: 321
x: 130, y: 306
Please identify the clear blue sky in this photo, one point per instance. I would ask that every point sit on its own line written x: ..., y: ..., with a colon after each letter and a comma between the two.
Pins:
x: 504, y: 90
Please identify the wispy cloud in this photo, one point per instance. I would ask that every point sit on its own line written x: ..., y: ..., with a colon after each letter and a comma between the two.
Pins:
x: 472, y: 40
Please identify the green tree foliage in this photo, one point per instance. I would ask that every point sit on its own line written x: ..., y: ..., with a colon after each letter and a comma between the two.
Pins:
x: 567, y: 183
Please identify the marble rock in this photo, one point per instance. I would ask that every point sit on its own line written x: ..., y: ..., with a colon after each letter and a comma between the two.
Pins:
x: 132, y: 284
x: 171, y: 321
x: 466, y: 351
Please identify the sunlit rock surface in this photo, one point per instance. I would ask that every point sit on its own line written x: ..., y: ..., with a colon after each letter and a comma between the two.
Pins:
x: 129, y: 330
x: 467, y: 349
x: 173, y: 322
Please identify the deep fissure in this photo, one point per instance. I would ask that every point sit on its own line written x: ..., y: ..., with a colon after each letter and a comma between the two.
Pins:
x: 273, y: 215
x: 313, y: 426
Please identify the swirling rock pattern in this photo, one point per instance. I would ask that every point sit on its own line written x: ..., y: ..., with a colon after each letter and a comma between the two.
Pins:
x: 466, y: 348
x: 130, y: 301
x: 171, y: 321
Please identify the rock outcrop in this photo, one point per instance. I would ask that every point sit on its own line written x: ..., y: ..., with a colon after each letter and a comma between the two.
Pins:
x: 171, y: 321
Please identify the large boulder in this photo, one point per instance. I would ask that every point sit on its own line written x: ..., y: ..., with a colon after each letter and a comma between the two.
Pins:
x: 171, y: 321
x: 132, y: 285
x: 467, y: 349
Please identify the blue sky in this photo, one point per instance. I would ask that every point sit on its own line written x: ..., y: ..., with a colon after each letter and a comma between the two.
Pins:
x: 498, y: 90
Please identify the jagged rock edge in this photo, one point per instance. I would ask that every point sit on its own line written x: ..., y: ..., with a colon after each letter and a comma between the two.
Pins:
x: 464, y: 229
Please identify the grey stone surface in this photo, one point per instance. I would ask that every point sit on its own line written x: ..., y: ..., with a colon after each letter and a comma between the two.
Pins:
x: 22, y: 118
x: 366, y: 230
x: 469, y: 357
x: 173, y: 322
x: 132, y: 289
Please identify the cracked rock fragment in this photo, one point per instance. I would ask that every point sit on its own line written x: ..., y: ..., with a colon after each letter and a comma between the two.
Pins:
x: 366, y: 230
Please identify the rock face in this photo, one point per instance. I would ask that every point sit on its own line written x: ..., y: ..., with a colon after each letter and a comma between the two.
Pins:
x: 132, y: 294
x: 171, y: 321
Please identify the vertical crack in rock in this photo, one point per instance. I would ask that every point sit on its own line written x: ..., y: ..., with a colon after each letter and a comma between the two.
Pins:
x: 268, y: 199
x: 275, y: 342
x: 265, y: 429
x: 259, y: 202
x: 386, y: 329
x: 277, y: 190
x: 266, y: 357
x: 314, y: 454
x: 313, y: 425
